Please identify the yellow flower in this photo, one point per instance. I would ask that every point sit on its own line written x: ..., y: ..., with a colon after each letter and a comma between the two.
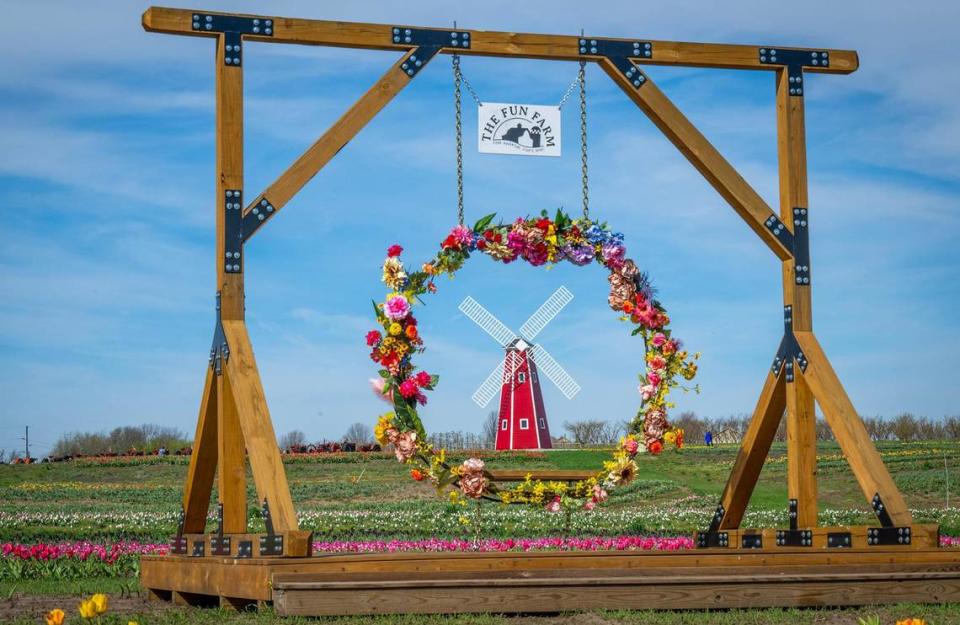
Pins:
x: 912, y: 621
x: 670, y: 437
x: 55, y: 617
x: 87, y: 610
x: 393, y: 274
x: 99, y: 601
x: 395, y: 329
x: 131, y: 623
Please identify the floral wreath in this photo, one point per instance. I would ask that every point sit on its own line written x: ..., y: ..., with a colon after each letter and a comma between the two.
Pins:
x: 538, y: 241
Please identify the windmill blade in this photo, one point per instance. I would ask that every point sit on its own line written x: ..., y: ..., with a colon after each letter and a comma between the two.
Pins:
x: 552, y: 369
x: 545, y: 313
x: 482, y: 317
x: 490, y: 387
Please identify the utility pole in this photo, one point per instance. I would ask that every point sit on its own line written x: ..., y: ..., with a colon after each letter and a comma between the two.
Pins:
x: 26, y: 439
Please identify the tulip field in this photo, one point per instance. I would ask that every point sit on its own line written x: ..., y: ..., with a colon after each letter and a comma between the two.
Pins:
x: 81, y: 526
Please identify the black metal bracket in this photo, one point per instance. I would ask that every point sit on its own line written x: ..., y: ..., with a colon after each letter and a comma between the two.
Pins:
x: 233, y: 28
x: 888, y: 535
x: 801, y: 247
x: 717, y: 518
x: 779, y: 230
x: 271, y: 544
x: 199, y: 549
x: 794, y: 538
x: 712, y: 539
x: 245, y: 549
x: 620, y: 54
x: 262, y: 210
x: 789, y: 350
x: 220, y: 544
x: 428, y: 42
x: 233, y: 230
x: 751, y: 541
x: 794, y: 507
x: 881, y: 511
x: 178, y: 544
x: 839, y: 540
x: 219, y: 350
x: 794, y: 61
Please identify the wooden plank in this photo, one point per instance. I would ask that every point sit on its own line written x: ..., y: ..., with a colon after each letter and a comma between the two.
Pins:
x: 702, y: 155
x: 258, y: 433
x: 753, y: 450
x: 335, y: 138
x: 843, y: 419
x: 489, y: 43
x: 506, y: 475
x: 801, y: 413
x: 229, y: 163
x: 203, y: 460
x: 232, y: 470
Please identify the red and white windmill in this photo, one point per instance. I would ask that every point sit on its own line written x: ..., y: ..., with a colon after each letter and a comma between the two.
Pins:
x: 522, y: 422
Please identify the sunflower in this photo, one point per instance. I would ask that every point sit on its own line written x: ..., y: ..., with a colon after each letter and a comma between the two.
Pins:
x: 393, y: 274
x: 623, y: 472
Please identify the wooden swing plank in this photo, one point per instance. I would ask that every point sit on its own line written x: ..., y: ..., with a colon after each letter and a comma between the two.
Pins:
x: 842, y: 417
x: 232, y: 469
x: 702, y: 155
x: 485, y: 43
x: 254, y: 417
x: 753, y: 451
x: 335, y: 138
x: 203, y: 460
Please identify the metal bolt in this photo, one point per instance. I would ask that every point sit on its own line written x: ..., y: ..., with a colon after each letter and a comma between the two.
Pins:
x: 410, y: 72
x: 209, y: 27
x: 236, y: 60
x: 453, y: 35
x: 815, y: 61
x: 799, y: 78
x: 228, y: 255
x: 396, y: 39
x: 593, y: 50
x: 583, y: 50
x: 773, y: 59
x: 407, y: 40
x: 799, y: 91
x: 466, y: 35
x: 269, y: 208
x: 196, y: 25
x: 648, y: 46
x: 593, y: 42
x: 256, y: 29
x: 269, y: 22
x: 636, y: 83
x: 228, y: 60
x: 763, y: 59
x: 404, y: 66
x: 641, y: 78
x: 236, y: 255
x: 263, y: 202
x: 256, y: 211
x: 396, y: 31
x: 454, y: 43
x: 763, y: 50
x: 209, y: 18
x: 407, y: 32
x: 803, y: 222
x: 268, y: 31
x: 806, y: 280
x: 256, y: 22
x: 647, y: 53
x: 583, y: 42
x: 419, y: 63
x: 261, y: 217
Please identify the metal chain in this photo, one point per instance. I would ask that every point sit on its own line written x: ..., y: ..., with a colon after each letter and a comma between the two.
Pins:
x: 569, y: 91
x: 582, y: 79
x: 457, y: 80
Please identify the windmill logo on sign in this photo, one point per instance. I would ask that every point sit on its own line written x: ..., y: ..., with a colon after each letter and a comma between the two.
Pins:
x: 522, y: 420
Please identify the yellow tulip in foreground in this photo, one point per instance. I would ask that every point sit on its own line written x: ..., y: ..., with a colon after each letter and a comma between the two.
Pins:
x: 55, y: 617
x: 87, y: 610
x: 99, y: 601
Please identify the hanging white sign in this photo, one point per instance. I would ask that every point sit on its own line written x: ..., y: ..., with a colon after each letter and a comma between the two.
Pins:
x: 525, y: 129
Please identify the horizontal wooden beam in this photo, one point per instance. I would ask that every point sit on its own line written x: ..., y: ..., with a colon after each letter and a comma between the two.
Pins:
x: 487, y: 43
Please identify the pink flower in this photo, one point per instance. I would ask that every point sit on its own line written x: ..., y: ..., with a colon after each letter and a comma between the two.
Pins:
x: 631, y: 446
x: 554, y: 506
x: 659, y: 339
x: 472, y: 480
x: 462, y: 235
x: 657, y: 363
x: 653, y: 378
x: 394, y: 250
x: 396, y: 308
x: 599, y: 495
x: 405, y: 446
x: 423, y: 378
x: 408, y: 388
x: 373, y: 337
x: 590, y: 505
x: 377, y: 385
x: 646, y: 391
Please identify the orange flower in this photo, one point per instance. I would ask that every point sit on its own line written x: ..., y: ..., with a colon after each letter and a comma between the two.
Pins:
x: 912, y: 621
x: 54, y: 617
x: 628, y: 307
x: 411, y: 332
x: 655, y: 447
x: 417, y: 474
x: 428, y: 268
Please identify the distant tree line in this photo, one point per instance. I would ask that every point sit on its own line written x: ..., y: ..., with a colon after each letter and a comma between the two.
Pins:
x: 139, y: 438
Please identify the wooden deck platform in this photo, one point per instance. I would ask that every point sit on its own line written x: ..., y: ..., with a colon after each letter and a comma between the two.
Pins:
x: 560, y: 581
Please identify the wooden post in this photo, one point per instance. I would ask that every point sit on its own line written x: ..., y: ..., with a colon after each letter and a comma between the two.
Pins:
x: 232, y: 473
x: 203, y: 460
x: 229, y: 103
x: 801, y: 415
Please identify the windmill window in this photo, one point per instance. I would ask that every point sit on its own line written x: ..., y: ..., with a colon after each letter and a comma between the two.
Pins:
x: 521, y: 377
x: 543, y: 425
x: 524, y: 424
x: 503, y: 424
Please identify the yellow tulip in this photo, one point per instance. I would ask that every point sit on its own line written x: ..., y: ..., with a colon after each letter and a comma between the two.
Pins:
x: 99, y: 601
x: 55, y: 617
x: 131, y: 623
x: 87, y: 610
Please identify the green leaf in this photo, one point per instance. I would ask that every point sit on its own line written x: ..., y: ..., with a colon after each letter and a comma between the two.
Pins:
x: 637, y: 331
x: 481, y: 225
x: 384, y: 373
x: 433, y: 380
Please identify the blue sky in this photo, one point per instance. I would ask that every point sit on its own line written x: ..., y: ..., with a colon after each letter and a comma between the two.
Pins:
x: 106, y: 181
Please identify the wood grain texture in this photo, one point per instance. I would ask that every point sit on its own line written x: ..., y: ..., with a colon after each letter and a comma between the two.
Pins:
x: 702, y: 155
x: 232, y: 467
x: 258, y: 434
x: 489, y: 43
x: 203, y: 460
x: 336, y: 138
x: 842, y: 417
x: 753, y: 450
x: 229, y: 163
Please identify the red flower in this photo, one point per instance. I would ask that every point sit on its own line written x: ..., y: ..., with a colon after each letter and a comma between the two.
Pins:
x: 543, y: 224
x: 408, y: 388
x: 417, y: 474
x: 394, y: 250
x: 450, y: 242
x: 481, y: 244
x: 373, y: 337
x: 655, y: 447
x: 389, y: 359
x: 411, y: 332
x: 423, y: 378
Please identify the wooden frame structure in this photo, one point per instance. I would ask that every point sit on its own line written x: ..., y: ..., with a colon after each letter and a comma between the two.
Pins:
x: 234, y: 421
